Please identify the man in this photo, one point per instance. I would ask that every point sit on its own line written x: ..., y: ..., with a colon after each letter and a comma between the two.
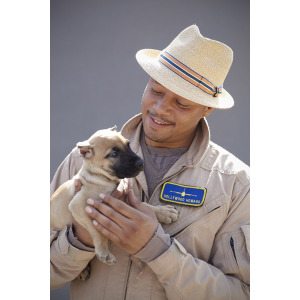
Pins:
x: 205, y: 253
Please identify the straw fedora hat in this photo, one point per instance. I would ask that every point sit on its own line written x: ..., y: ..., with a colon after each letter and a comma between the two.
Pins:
x: 192, y: 67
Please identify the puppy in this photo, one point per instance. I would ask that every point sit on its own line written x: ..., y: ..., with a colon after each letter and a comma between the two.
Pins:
x: 107, y: 158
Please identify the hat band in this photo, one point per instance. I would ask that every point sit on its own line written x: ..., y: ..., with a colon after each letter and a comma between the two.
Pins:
x: 189, y: 75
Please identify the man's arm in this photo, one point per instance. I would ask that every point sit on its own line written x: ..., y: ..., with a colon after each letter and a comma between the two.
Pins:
x: 181, y: 274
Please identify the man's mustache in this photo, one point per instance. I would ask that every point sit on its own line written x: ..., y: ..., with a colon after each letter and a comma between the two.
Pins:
x: 155, y: 115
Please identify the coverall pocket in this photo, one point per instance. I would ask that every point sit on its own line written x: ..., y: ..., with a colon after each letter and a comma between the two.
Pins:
x: 195, y: 223
x: 237, y: 253
x: 193, y: 217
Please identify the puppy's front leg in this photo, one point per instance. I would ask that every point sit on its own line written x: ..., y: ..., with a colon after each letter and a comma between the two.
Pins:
x: 77, y: 206
x: 164, y: 214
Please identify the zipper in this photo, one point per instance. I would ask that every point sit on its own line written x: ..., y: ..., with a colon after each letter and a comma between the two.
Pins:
x: 232, y: 248
x: 128, y: 278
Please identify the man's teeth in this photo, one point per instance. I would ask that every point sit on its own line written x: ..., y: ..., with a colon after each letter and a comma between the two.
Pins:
x: 158, y: 122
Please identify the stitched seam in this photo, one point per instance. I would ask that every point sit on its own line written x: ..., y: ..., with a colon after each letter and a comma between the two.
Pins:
x: 213, y: 203
x: 212, y: 215
x: 206, y: 158
x: 240, y: 238
x: 230, y: 258
x: 152, y: 286
x: 240, y: 267
x: 242, y: 187
x: 106, y: 273
x: 234, y: 265
x: 239, y: 259
x: 238, y: 191
x: 244, y: 182
x: 126, y: 280
x: 226, y: 172
x: 225, y: 250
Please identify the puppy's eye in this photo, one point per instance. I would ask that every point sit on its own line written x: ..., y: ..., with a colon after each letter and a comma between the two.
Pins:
x: 114, y: 154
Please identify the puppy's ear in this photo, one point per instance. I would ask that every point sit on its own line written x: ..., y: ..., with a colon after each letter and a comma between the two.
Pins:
x: 84, y: 145
x: 86, y: 149
x: 114, y: 128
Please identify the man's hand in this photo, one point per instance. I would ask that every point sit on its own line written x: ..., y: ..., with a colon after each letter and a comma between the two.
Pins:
x: 120, y: 192
x: 131, y: 228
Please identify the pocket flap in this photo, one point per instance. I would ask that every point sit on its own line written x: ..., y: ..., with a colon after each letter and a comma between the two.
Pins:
x: 189, y: 215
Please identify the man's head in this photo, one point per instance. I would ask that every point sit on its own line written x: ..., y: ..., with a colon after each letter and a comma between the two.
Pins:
x: 186, y: 84
x: 169, y: 120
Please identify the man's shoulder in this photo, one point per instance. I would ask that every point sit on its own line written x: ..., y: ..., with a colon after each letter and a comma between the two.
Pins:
x: 219, y: 159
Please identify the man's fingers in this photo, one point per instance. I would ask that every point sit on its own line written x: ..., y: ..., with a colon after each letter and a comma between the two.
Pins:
x: 103, y: 220
x: 110, y: 235
x: 109, y: 212
x: 119, y: 206
x: 133, y: 201
x: 120, y: 192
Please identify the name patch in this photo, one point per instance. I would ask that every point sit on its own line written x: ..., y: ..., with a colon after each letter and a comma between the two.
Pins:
x: 183, y: 194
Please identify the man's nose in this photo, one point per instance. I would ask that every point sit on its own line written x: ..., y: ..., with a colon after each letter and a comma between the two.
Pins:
x: 162, y: 106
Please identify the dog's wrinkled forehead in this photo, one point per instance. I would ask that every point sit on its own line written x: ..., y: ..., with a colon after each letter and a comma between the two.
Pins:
x: 105, y: 139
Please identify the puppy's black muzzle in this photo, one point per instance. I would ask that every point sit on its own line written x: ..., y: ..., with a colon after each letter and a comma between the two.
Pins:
x: 128, y: 165
x: 140, y: 164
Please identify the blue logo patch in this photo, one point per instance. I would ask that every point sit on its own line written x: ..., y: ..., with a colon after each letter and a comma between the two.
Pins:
x: 183, y: 194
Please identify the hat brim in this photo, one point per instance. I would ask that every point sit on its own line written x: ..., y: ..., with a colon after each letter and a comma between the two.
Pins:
x: 148, y: 60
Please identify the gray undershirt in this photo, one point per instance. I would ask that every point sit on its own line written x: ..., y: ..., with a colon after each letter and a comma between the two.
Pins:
x: 158, y: 162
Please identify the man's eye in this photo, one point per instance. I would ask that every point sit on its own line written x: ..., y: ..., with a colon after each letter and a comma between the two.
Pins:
x: 114, y: 154
x: 180, y: 104
x: 156, y: 92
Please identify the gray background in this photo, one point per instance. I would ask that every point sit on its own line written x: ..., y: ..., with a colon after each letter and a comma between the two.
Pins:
x: 96, y: 82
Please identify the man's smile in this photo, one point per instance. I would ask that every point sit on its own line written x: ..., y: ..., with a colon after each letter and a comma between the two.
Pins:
x: 158, y: 122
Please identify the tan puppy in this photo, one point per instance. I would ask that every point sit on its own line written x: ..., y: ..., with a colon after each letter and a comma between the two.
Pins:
x: 107, y: 158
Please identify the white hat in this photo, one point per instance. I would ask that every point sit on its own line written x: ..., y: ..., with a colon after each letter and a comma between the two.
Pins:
x: 192, y: 67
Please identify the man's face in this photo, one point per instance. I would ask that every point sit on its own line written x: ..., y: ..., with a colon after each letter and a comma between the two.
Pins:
x: 169, y: 120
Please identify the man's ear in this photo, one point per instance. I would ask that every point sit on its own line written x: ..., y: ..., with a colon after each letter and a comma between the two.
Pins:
x: 86, y: 149
x: 113, y: 128
x: 208, y: 111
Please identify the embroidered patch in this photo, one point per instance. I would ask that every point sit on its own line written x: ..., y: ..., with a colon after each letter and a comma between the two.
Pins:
x: 183, y: 194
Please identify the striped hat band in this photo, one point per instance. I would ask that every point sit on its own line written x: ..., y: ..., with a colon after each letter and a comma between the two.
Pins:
x: 189, y: 75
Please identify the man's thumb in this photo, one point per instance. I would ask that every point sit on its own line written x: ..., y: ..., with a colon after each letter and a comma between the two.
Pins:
x: 132, y: 199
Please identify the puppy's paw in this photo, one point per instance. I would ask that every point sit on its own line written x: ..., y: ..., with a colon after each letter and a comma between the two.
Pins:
x: 107, y: 258
x: 85, y: 274
x: 167, y: 214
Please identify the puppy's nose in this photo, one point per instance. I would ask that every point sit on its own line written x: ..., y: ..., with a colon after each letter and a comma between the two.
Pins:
x: 140, y: 164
